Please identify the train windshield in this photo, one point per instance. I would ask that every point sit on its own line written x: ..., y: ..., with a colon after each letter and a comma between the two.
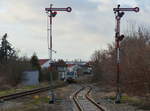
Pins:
x: 70, y: 73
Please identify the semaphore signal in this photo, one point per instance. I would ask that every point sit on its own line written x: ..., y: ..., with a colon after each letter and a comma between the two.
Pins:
x: 119, y: 12
x: 136, y: 9
x: 68, y: 9
x: 52, y: 12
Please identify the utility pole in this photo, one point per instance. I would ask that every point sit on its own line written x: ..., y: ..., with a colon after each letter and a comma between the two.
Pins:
x: 119, y: 12
x: 52, y: 12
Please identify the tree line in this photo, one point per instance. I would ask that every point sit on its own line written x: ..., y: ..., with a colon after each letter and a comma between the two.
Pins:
x: 12, y: 66
x: 135, y: 63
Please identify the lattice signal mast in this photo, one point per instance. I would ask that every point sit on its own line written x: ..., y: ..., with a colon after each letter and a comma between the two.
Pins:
x: 119, y: 12
x: 52, y: 12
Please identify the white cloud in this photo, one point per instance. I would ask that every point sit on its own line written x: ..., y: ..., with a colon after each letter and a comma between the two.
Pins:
x: 127, y: 2
x: 88, y: 27
x: 18, y: 11
x: 101, y: 1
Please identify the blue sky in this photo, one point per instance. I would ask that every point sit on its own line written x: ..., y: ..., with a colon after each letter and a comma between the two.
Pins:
x: 76, y: 35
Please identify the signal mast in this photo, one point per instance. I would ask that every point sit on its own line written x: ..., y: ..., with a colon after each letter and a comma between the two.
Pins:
x: 52, y: 12
x: 119, y: 12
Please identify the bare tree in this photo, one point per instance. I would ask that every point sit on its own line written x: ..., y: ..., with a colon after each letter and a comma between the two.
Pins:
x: 135, y: 62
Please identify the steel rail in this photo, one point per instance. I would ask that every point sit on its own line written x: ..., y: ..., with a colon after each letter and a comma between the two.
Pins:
x: 24, y: 93
x: 76, y: 100
x: 92, y: 101
x: 87, y: 97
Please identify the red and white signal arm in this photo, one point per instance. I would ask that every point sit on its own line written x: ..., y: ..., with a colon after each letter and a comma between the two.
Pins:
x: 136, y: 9
x: 68, y: 9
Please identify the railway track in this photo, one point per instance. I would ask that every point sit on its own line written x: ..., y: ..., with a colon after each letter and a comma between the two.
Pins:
x: 24, y: 93
x: 84, y: 102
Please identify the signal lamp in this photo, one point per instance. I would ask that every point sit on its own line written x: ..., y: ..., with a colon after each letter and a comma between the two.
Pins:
x: 121, y: 14
x: 120, y: 38
x: 53, y: 14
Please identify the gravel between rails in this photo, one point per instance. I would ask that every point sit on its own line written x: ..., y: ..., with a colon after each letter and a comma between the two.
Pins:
x: 68, y: 104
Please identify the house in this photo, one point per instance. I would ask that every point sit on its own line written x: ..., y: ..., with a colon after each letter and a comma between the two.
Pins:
x: 44, y: 63
x: 62, y: 70
x: 59, y: 65
x: 64, y: 66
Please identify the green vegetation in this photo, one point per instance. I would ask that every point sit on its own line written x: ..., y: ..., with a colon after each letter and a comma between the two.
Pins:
x: 23, y: 88
x: 40, y: 100
x: 35, y: 65
x: 6, y: 50
x: 35, y: 102
x: 135, y: 101
x: 132, y: 100
x: 11, y: 66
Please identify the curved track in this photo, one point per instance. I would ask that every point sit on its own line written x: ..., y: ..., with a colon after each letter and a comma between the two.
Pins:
x: 84, y: 102
x: 24, y: 93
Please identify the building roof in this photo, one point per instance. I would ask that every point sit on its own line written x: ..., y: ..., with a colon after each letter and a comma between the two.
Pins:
x: 70, y: 65
x: 43, y: 61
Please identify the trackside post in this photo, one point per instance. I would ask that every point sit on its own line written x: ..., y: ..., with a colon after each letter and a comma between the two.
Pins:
x: 52, y: 12
x: 119, y: 12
